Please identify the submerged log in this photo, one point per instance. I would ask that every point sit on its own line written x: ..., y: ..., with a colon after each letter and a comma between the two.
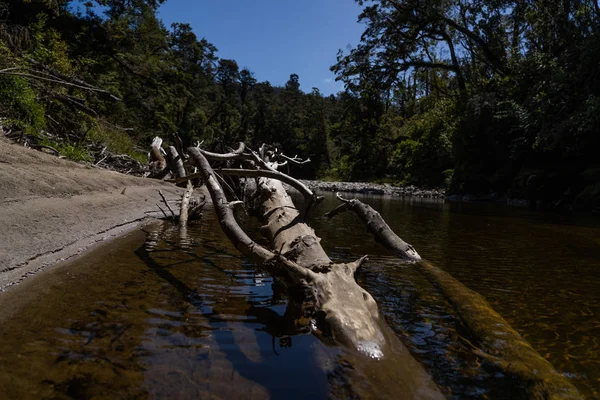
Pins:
x: 327, y: 297
x: 496, y: 341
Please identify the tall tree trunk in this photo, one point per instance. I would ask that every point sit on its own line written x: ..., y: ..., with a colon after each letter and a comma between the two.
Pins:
x: 462, y: 86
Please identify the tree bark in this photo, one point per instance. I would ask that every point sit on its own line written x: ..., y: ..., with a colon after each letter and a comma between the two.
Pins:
x: 175, y: 164
x: 157, y: 160
x: 185, y: 205
x: 378, y: 227
x: 498, y: 342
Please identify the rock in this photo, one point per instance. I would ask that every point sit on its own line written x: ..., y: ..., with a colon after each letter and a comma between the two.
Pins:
x: 374, y: 188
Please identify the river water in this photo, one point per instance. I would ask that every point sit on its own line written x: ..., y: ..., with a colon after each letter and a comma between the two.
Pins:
x: 158, y: 315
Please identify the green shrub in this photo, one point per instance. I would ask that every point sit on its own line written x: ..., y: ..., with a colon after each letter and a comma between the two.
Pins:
x: 116, y: 141
x: 18, y: 102
x: 341, y: 170
x: 75, y: 153
x: 425, y: 156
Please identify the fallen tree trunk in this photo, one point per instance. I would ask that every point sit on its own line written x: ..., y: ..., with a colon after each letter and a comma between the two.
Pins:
x: 325, y: 295
x: 497, y: 342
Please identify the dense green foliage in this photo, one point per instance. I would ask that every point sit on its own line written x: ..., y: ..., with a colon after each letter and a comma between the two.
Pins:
x: 496, y: 96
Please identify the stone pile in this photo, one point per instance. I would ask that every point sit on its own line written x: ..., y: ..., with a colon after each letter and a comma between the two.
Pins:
x: 374, y: 188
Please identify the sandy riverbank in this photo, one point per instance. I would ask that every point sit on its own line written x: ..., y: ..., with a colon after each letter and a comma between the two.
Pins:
x: 52, y: 209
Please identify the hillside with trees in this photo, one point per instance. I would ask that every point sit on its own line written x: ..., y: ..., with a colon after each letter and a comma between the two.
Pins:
x: 489, y: 98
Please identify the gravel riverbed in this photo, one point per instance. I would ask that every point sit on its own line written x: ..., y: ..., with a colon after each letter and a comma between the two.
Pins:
x: 374, y: 188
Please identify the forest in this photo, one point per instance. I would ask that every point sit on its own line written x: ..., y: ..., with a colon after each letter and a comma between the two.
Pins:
x: 495, y: 99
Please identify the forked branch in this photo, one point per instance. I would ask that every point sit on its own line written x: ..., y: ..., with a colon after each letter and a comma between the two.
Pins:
x: 234, y: 232
x: 266, y: 171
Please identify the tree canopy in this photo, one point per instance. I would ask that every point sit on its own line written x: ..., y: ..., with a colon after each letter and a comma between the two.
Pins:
x: 484, y: 97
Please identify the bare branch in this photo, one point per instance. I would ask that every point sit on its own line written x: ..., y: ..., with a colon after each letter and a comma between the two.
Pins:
x: 310, y: 198
x: 41, y: 146
x: 338, y: 210
x: 163, y: 211
x: 185, y: 203
x: 234, y: 232
x: 353, y: 266
x: 227, y: 186
x: 235, y: 154
x: 294, y: 160
x: 157, y: 154
x: 175, y: 162
x: 268, y: 171
x: 167, y: 204
x: 234, y: 204
x: 30, y: 75
x: 179, y: 147
x: 378, y: 227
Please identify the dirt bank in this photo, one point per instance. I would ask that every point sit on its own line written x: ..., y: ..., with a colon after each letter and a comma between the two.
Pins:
x: 52, y: 209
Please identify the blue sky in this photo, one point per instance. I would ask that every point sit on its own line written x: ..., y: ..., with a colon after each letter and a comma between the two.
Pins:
x: 275, y: 38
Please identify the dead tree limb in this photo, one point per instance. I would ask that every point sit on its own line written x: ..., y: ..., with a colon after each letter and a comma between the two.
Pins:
x: 225, y: 156
x: 175, y: 164
x: 31, y: 74
x: 157, y: 159
x: 167, y: 204
x: 163, y: 211
x: 378, y: 227
x: 295, y: 159
x: 178, y: 146
x: 185, y: 204
x: 234, y: 232
x: 310, y: 198
x: 498, y: 342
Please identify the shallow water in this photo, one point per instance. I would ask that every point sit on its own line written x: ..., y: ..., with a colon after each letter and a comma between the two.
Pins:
x: 157, y: 315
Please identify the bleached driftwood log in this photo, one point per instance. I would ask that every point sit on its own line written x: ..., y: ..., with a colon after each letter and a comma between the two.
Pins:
x: 325, y: 294
x: 157, y: 159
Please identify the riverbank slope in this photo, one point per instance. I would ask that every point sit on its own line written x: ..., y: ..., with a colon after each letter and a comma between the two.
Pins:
x: 52, y: 209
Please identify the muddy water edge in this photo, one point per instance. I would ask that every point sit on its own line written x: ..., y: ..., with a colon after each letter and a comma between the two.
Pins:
x: 158, y: 315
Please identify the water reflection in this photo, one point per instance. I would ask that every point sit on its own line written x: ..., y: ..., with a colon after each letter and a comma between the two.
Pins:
x: 249, y: 336
x: 255, y: 329
x: 539, y: 271
x: 161, y: 315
